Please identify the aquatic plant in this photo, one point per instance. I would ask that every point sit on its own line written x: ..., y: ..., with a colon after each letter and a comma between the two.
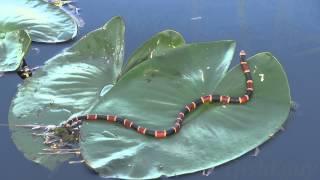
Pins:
x: 160, y: 77
x: 24, y: 20
x: 44, y: 22
x: 14, y: 46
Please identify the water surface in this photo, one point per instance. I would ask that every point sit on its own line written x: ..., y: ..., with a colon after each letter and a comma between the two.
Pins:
x: 290, y: 29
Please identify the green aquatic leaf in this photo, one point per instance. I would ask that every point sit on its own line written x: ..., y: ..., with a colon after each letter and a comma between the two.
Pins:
x: 154, y: 92
x: 68, y: 83
x: 43, y: 21
x: 72, y: 82
x: 87, y: 78
x: 13, y: 47
x: 157, y: 45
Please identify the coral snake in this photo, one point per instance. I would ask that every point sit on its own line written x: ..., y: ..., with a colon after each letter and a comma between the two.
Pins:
x: 75, y: 122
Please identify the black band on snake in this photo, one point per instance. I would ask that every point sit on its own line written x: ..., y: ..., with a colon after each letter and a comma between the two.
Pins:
x: 75, y: 123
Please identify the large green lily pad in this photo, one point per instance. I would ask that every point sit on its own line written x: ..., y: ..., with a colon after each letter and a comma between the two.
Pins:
x: 13, y: 47
x: 43, y: 21
x: 153, y: 93
x: 158, y: 81
x: 74, y: 80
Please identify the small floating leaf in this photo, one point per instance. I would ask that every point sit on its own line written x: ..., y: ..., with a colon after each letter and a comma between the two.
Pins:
x: 44, y: 22
x: 13, y: 47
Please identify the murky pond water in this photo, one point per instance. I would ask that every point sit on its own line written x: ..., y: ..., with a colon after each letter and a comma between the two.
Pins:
x: 289, y: 29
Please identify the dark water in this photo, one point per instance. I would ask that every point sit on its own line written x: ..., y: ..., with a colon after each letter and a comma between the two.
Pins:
x: 290, y: 29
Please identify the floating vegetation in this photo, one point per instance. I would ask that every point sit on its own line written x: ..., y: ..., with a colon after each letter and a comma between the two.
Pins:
x: 13, y: 48
x: 69, y: 8
x: 22, y: 21
x: 43, y: 23
x: 162, y: 76
x: 59, y: 3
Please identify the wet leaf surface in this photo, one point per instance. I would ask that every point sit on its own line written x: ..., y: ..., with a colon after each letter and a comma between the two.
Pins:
x: 73, y: 81
x: 212, y: 135
x: 13, y: 47
x: 67, y: 83
x: 158, y: 81
x: 44, y: 22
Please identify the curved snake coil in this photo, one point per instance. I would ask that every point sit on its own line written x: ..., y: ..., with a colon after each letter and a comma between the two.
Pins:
x: 211, y: 98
